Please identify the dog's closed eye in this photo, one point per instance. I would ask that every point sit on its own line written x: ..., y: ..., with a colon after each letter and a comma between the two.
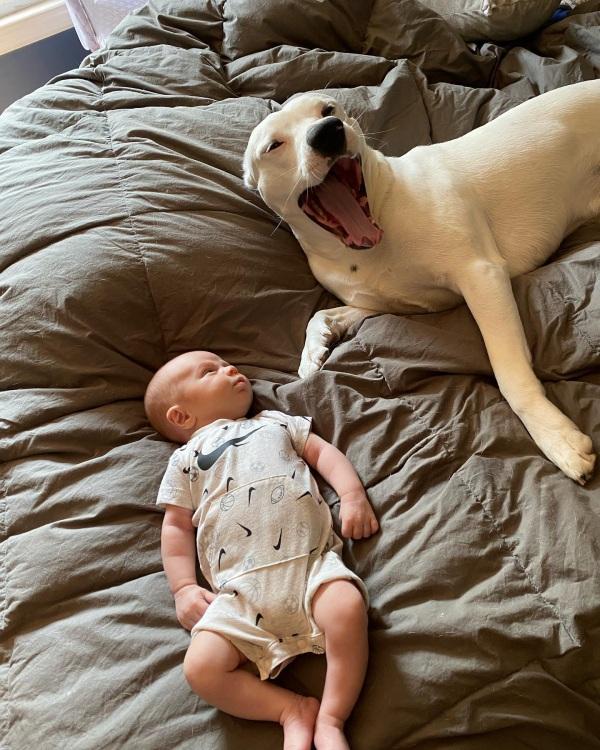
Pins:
x: 274, y: 145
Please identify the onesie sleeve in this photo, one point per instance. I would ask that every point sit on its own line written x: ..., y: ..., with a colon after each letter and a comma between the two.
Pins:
x: 175, y: 486
x: 298, y: 428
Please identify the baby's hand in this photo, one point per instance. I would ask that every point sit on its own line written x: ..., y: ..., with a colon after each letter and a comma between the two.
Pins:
x: 191, y: 602
x: 356, y: 515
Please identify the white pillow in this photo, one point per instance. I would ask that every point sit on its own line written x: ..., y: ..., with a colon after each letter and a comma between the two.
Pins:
x: 495, y: 20
x: 94, y: 20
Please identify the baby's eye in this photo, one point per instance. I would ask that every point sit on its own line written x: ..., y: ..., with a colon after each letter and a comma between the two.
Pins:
x: 327, y: 110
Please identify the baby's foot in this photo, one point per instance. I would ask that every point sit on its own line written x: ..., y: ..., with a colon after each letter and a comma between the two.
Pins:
x: 329, y: 734
x: 298, y: 722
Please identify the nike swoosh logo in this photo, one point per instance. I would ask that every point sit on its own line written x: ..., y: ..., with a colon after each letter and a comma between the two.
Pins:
x: 319, y: 501
x: 250, y: 491
x: 246, y: 529
x: 221, y: 553
x: 206, y: 460
x: 278, y: 545
x: 258, y: 618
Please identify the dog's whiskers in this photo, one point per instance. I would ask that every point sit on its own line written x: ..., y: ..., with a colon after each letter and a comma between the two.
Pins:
x: 359, y: 115
x: 369, y: 133
x: 312, y: 176
x: 286, y: 202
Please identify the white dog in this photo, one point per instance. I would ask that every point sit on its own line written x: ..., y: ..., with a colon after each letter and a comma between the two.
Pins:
x: 444, y: 222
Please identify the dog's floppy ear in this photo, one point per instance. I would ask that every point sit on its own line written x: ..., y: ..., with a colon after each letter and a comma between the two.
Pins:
x: 250, y: 180
x: 250, y: 176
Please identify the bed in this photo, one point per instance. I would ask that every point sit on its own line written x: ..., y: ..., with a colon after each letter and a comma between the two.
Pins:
x: 128, y: 237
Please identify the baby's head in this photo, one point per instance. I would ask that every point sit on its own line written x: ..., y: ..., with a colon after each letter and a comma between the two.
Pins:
x: 193, y: 390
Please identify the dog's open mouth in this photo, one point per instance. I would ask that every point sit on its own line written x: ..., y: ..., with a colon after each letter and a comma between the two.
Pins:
x: 340, y: 205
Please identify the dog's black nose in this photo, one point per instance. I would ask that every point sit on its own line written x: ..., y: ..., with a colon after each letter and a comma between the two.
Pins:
x: 327, y: 137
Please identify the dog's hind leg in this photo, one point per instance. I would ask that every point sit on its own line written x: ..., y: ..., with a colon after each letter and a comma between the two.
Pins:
x: 486, y: 287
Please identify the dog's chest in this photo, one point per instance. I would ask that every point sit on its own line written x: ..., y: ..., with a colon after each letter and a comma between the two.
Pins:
x: 379, y: 285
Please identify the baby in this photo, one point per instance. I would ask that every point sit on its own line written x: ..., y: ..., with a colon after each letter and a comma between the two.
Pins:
x: 266, y: 546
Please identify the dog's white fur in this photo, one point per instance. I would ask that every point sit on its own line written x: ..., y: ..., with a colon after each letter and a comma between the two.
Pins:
x: 460, y: 219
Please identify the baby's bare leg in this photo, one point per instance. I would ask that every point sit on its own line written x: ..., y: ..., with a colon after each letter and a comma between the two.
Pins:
x: 339, y: 610
x: 212, y: 668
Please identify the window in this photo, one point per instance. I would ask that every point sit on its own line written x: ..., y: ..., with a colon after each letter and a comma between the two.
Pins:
x: 12, y: 6
x: 23, y: 22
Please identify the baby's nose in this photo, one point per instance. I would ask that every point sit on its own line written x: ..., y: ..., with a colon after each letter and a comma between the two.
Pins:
x: 231, y: 370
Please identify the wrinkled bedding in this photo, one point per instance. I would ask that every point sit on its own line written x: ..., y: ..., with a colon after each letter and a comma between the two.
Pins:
x: 128, y: 237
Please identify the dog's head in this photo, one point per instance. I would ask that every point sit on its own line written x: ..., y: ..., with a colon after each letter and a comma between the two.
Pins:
x: 306, y: 162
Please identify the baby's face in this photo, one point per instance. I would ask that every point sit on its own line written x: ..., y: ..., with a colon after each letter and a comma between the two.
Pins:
x: 208, y: 388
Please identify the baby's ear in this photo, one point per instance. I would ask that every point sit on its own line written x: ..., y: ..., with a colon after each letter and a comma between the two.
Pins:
x: 178, y: 417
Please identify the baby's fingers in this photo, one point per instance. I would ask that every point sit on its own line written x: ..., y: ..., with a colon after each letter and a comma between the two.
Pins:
x: 347, y: 528
x: 352, y: 527
x: 359, y: 530
x: 368, y: 526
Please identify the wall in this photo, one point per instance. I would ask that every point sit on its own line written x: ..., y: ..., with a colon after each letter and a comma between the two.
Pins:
x: 28, y: 68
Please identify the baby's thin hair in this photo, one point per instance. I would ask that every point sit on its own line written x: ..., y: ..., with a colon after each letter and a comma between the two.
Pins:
x: 160, y: 395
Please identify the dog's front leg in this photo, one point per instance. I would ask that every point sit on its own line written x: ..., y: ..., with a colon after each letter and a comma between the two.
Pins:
x: 324, y: 329
x: 487, y: 290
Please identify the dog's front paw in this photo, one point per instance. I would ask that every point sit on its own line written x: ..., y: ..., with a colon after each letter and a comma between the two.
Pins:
x: 319, y: 337
x: 312, y: 359
x: 577, y: 456
x: 569, y: 449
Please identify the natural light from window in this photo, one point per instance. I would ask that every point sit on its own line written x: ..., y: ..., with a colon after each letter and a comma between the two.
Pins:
x: 12, y: 6
x: 24, y: 22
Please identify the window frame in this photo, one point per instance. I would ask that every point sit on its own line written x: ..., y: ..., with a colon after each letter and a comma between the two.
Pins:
x: 33, y: 23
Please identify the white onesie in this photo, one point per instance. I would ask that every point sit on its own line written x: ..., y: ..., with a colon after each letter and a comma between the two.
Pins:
x: 265, y: 536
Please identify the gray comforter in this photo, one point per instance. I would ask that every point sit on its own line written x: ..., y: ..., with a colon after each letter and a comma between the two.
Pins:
x: 127, y: 237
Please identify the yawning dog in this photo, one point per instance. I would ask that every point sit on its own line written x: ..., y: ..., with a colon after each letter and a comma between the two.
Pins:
x: 445, y: 222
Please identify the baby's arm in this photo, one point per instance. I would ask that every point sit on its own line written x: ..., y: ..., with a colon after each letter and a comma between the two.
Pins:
x: 356, y: 514
x: 178, y: 548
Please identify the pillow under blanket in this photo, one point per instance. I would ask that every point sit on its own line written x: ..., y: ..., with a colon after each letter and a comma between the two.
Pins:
x: 495, y: 20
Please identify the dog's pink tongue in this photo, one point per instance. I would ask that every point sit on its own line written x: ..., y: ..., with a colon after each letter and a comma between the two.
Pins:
x: 337, y: 199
